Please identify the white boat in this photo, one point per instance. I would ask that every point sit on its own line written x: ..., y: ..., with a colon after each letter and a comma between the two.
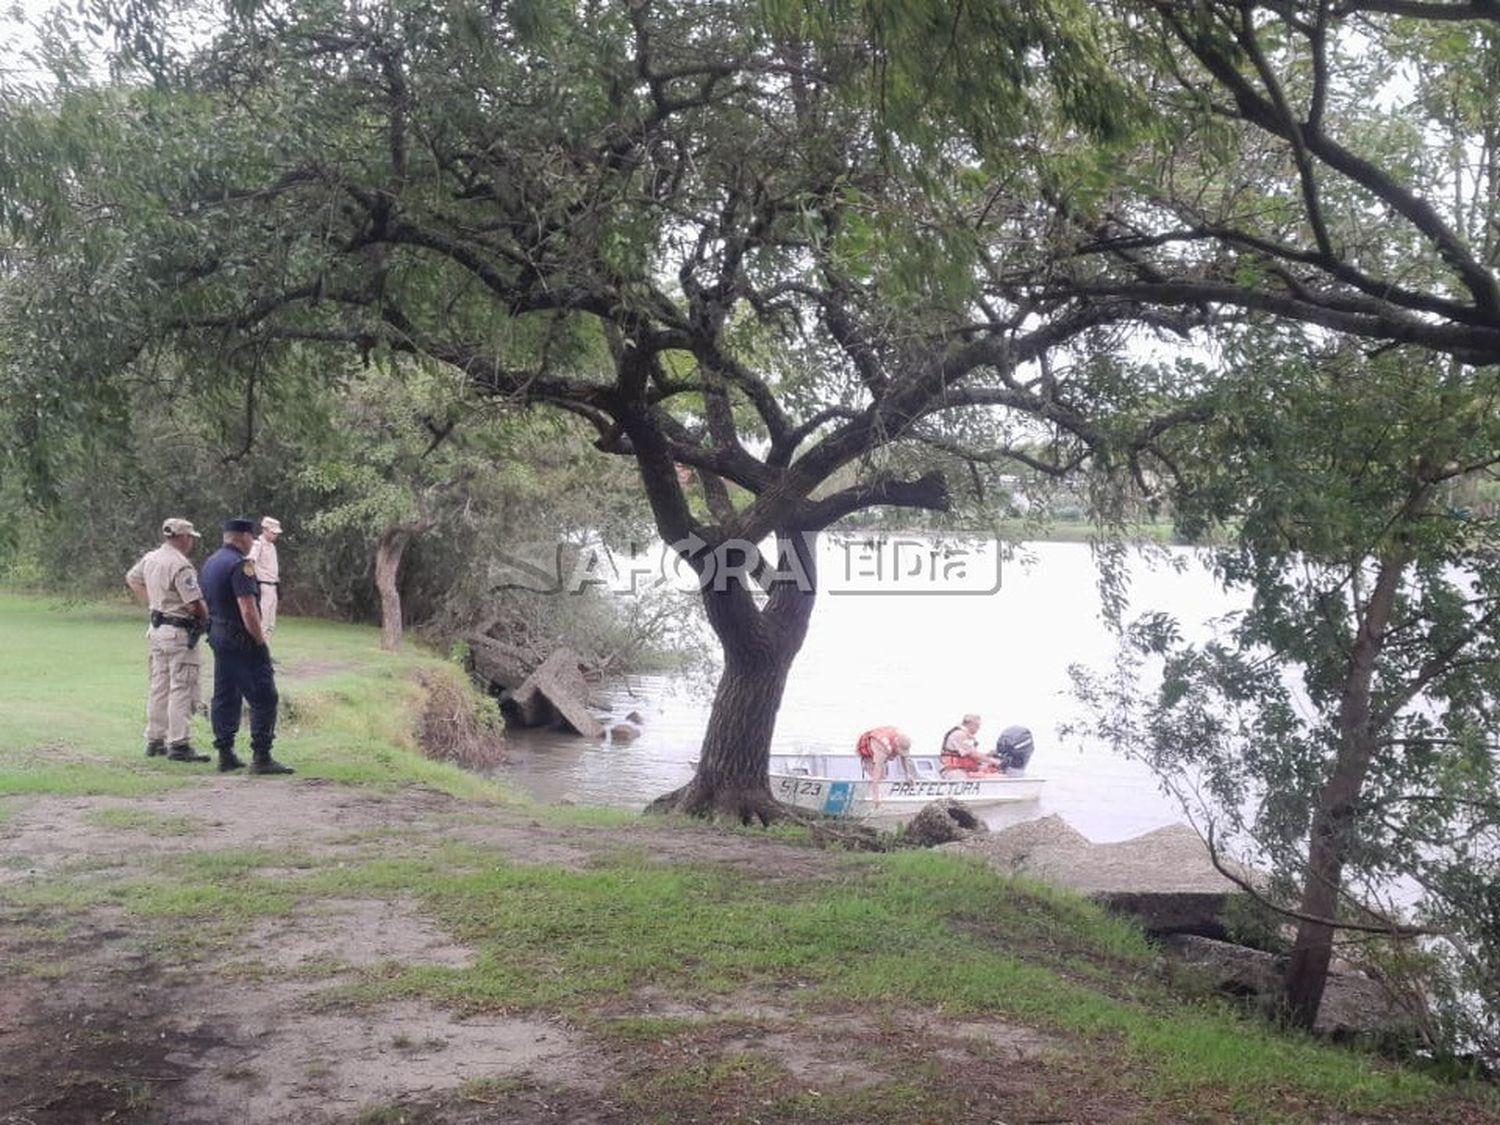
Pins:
x: 838, y: 784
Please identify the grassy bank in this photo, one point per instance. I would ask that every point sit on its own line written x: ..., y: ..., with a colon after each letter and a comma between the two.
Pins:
x: 495, y: 961
x: 72, y: 679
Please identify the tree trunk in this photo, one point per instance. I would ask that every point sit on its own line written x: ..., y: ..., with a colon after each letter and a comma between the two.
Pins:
x: 1307, y: 967
x: 388, y: 554
x: 732, y: 779
x: 1333, y: 816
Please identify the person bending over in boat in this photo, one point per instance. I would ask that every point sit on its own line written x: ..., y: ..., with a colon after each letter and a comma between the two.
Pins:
x: 878, y: 746
x: 1013, y: 749
x: 961, y: 752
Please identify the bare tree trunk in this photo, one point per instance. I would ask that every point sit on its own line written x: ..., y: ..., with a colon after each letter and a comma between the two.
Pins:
x: 732, y: 779
x: 392, y: 545
x: 1333, y: 816
x: 760, y: 643
x: 1307, y: 967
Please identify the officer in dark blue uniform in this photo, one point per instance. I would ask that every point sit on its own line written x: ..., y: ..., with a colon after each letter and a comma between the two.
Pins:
x: 242, y: 658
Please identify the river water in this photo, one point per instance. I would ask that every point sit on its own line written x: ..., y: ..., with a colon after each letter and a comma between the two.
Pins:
x: 916, y: 662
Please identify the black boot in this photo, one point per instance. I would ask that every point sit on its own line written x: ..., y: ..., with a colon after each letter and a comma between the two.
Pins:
x: 262, y: 762
x: 184, y: 752
x: 229, y: 760
x: 157, y: 749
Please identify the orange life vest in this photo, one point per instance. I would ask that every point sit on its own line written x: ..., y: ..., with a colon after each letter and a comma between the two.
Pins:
x: 885, y: 734
x: 950, y: 760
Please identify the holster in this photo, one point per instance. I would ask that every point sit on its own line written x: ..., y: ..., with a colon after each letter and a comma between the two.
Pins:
x: 191, y: 624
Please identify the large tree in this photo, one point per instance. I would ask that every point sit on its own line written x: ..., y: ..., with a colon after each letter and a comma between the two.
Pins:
x: 1330, y: 162
x: 397, y: 464
x: 1338, y: 165
x: 1335, y: 165
x: 1340, y: 729
x: 684, y: 222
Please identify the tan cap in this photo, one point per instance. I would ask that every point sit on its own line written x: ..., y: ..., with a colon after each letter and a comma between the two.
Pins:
x: 270, y: 523
x: 173, y: 527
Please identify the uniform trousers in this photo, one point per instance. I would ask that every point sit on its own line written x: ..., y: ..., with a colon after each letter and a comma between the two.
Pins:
x: 268, y: 592
x: 242, y: 672
x: 173, y: 694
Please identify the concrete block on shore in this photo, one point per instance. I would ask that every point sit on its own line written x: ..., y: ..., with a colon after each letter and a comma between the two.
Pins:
x: 556, y: 694
x: 1165, y: 878
x: 503, y: 667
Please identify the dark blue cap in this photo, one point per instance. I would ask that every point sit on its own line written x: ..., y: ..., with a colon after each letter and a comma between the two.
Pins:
x: 239, y: 523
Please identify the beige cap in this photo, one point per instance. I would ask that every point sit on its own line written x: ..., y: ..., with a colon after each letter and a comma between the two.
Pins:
x: 270, y: 523
x: 173, y: 527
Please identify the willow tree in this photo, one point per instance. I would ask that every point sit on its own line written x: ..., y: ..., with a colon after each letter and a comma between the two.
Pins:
x: 1330, y: 162
x: 1337, y: 165
x: 1339, y: 730
x: 685, y: 222
x: 1334, y: 164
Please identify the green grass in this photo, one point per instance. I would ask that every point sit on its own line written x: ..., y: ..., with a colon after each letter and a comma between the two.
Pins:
x: 899, y: 934
x: 73, y: 691
x: 488, y: 1089
x: 50, y: 653
x: 881, y: 934
x: 386, y: 1115
x: 241, y: 903
x: 739, y: 1080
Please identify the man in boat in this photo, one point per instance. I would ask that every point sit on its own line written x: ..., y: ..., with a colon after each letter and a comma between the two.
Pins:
x: 1013, y: 749
x: 878, y: 746
x: 961, y: 752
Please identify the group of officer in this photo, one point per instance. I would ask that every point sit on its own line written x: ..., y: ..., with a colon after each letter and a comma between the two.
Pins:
x: 227, y: 607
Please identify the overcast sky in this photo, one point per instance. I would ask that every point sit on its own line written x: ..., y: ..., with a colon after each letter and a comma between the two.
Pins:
x: 18, y: 20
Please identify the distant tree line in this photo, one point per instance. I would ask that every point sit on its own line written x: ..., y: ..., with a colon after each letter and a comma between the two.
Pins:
x: 382, y: 451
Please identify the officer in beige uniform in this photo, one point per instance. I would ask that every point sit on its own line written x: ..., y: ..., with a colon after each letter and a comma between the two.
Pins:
x: 267, y: 570
x: 166, y: 581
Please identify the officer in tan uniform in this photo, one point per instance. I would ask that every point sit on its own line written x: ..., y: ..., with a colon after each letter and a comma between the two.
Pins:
x: 166, y: 581
x: 267, y: 570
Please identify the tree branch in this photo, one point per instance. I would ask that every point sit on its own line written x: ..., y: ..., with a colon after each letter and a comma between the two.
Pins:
x: 1418, y: 9
x: 1390, y: 929
x: 929, y: 492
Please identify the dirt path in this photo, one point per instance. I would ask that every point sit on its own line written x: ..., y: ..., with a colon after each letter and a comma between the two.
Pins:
x: 104, y: 1018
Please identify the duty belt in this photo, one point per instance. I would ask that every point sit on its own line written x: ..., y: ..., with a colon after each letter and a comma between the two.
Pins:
x: 181, y: 622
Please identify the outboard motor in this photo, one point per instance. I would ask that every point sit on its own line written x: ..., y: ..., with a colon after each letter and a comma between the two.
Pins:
x: 1013, y: 748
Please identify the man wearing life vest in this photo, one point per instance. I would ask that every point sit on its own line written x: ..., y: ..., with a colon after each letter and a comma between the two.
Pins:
x: 878, y: 746
x: 961, y: 753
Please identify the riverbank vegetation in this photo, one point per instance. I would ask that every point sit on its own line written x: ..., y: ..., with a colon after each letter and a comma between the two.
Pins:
x: 730, y: 282
x: 784, y: 264
x: 1375, y: 587
x: 404, y: 503
x: 393, y: 939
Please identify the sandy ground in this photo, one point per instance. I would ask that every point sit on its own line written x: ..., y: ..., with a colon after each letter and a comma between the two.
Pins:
x: 101, y: 1021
